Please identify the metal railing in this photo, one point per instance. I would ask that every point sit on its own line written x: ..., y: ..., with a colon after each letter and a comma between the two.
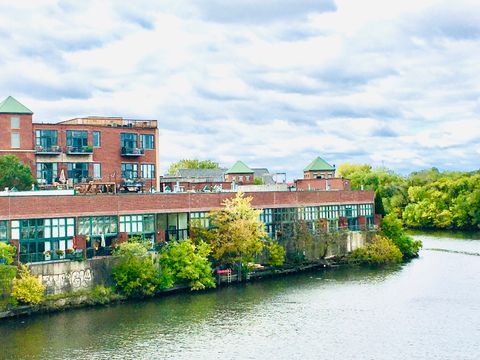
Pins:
x: 79, y: 150
x: 55, y: 149
x: 132, y: 151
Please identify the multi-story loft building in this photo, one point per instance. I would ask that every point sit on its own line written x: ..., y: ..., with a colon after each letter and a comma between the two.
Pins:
x: 103, y: 149
x: 55, y: 225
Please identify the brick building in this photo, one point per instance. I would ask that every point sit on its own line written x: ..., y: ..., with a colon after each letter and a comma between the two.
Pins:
x: 52, y: 225
x: 102, y: 149
x: 240, y: 173
x: 319, y: 169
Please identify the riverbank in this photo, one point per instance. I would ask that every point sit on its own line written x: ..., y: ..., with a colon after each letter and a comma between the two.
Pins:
x: 102, y: 295
x: 340, y: 313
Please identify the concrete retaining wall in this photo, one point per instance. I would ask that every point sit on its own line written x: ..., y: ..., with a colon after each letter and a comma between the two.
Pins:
x: 69, y: 276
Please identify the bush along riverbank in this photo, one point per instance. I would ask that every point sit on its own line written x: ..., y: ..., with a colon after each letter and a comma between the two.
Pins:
x: 233, y: 247
x: 390, y: 246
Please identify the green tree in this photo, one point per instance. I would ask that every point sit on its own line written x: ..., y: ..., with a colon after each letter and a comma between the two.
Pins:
x: 186, y: 261
x: 191, y: 164
x: 14, y: 174
x: 381, y: 251
x: 136, y: 274
x: 276, y: 254
x: 7, y: 253
x: 392, y: 228
x: 346, y: 169
x: 239, y: 233
x: 258, y: 181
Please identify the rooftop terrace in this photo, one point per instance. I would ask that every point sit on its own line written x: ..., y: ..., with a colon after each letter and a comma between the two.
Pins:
x: 112, y: 122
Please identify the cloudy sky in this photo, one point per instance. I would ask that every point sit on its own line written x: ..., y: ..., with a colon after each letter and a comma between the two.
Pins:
x: 272, y: 83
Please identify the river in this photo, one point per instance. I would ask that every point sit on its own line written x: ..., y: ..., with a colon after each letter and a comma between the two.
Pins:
x: 428, y: 308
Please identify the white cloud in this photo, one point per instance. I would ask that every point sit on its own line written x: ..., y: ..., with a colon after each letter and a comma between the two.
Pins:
x: 371, y: 81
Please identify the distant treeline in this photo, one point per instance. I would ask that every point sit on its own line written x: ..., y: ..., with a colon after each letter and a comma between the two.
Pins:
x: 424, y: 199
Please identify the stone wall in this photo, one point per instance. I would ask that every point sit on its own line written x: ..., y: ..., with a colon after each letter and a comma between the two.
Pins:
x: 70, y: 276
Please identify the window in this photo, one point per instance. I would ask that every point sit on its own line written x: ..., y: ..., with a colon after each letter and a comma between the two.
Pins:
x: 148, y: 171
x: 78, y: 172
x: 97, y: 225
x: 77, y: 139
x: 129, y: 171
x: 147, y: 142
x: 15, y: 140
x: 200, y: 219
x: 37, y: 236
x: 128, y: 141
x: 240, y: 178
x: 15, y: 122
x: 3, y: 230
x: 45, y: 139
x: 97, y: 170
x: 47, y: 172
x: 138, y: 224
x: 247, y: 178
x: 96, y: 138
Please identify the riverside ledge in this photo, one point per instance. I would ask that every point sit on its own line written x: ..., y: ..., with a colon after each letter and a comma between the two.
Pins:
x: 84, y: 298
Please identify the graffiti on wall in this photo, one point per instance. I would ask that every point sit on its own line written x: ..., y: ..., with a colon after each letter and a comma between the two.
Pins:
x: 73, y: 280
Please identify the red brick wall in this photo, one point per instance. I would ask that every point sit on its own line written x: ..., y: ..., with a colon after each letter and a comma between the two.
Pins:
x: 83, y: 205
x: 317, y: 174
x: 108, y: 154
x: 25, y: 152
x: 236, y: 177
x: 320, y: 184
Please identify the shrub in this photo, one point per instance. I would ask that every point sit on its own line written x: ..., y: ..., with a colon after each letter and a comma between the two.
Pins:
x: 7, y: 274
x: 102, y: 294
x: 392, y: 228
x: 381, y: 251
x: 276, y: 254
x: 27, y: 288
x: 136, y: 274
x: 132, y: 249
x: 186, y: 261
x: 7, y: 253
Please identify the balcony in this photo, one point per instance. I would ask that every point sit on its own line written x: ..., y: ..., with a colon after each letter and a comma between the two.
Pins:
x: 48, y: 150
x: 80, y: 150
x: 132, y: 151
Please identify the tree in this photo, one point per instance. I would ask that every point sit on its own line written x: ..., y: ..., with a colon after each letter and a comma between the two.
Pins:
x: 393, y: 230
x: 186, y: 261
x: 258, y: 181
x: 14, y: 174
x: 276, y: 254
x: 381, y: 251
x: 346, y: 169
x: 7, y: 253
x: 192, y: 164
x: 136, y: 274
x: 239, y: 233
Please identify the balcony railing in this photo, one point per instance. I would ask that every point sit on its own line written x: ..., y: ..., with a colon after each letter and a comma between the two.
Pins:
x: 80, y: 150
x: 132, y: 151
x: 50, y: 150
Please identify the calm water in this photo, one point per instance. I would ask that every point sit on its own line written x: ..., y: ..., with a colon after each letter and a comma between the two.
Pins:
x: 426, y: 309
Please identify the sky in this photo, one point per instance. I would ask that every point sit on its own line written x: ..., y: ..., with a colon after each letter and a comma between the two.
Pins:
x: 271, y: 83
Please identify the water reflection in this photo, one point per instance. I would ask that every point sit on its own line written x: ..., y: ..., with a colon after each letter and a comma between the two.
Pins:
x: 422, y: 309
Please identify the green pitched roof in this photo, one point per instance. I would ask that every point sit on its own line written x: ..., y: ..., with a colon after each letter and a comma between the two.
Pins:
x: 239, y: 168
x: 12, y: 106
x: 319, y: 165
